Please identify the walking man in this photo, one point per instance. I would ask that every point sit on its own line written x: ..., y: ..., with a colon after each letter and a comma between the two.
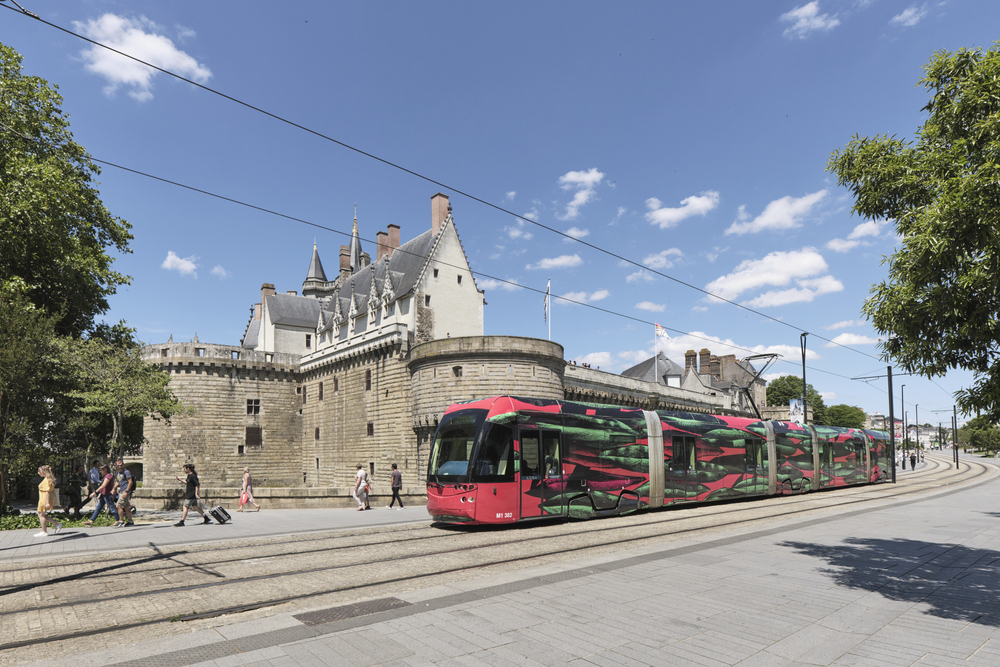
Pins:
x: 94, y: 478
x: 192, y: 493
x: 124, y: 486
x: 397, y: 484
x: 360, y: 487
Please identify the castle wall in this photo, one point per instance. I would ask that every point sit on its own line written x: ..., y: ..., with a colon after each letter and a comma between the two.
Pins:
x: 216, y: 382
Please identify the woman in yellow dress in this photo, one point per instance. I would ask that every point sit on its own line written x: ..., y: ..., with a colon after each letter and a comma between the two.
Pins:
x: 46, y: 498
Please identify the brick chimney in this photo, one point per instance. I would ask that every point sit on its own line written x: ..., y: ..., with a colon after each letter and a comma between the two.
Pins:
x: 256, y: 311
x: 439, y: 211
x: 345, y: 260
x: 715, y: 367
x: 690, y: 362
x: 382, y: 245
x: 266, y: 290
x: 393, y: 239
x: 705, y: 361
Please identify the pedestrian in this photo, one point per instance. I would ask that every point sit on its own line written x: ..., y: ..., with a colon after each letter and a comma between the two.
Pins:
x: 397, y: 484
x: 191, y: 493
x: 124, y: 486
x: 913, y: 461
x: 94, y: 478
x: 46, y: 499
x: 361, y: 487
x: 103, y: 495
x: 246, y: 493
x: 73, y: 499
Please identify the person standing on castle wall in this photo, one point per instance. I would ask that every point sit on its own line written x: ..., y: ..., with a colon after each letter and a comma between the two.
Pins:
x: 191, y: 494
x: 246, y: 493
x: 124, y: 485
x: 46, y: 499
x: 361, y: 487
x: 397, y: 484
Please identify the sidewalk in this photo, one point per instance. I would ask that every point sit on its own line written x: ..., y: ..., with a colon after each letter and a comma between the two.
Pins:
x: 894, y: 583
x: 21, y: 544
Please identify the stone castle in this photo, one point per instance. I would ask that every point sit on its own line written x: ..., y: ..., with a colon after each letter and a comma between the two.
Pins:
x: 359, y: 369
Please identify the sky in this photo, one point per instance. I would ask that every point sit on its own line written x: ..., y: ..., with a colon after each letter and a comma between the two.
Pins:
x: 684, y: 143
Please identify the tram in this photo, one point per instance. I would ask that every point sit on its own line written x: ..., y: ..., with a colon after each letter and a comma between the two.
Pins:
x: 508, y: 459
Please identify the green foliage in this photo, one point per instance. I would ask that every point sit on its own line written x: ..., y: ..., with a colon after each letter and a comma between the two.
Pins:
x: 938, y: 308
x: 30, y: 520
x: 55, y: 229
x: 119, y: 384
x: 783, y: 389
x: 846, y: 416
x: 981, y: 434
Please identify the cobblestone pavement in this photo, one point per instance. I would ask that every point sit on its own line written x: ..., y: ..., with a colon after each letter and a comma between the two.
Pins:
x: 892, y: 582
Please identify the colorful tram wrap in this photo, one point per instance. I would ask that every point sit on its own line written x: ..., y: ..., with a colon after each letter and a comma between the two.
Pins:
x: 507, y: 459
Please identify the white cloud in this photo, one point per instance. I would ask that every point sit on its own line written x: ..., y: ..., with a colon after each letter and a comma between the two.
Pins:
x: 585, y: 184
x: 573, y: 298
x: 802, y: 267
x: 641, y: 274
x: 595, y: 359
x: 137, y: 38
x: 806, y: 292
x: 621, y: 211
x: 807, y: 19
x: 663, y: 259
x: 851, y: 339
x: 506, y: 285
x: 510, y: 195
x: 828, y: 396
x: 861, y: 231
x: 183, y: 265
x: 699, y: 204
x: 781, y: 213
x: 651, y: 307
x: 519, y: 229
x: 219, y: 271
x: 561, y: 262
x: 577, y: 233
x: 909, y: 17
x: 844, y: 324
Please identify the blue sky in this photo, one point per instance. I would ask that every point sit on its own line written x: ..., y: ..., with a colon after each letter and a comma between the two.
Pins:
x: 690, y: 138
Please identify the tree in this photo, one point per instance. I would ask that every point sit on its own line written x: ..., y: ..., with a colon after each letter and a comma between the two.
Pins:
x: 937, y: 310
x: 30, y: 370
x: 846, y: 416
x: 54, y: 230
x: 120, y: 385
x: 781, y: 390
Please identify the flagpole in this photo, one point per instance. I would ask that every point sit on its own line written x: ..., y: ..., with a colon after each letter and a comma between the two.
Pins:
x: 548, y: 297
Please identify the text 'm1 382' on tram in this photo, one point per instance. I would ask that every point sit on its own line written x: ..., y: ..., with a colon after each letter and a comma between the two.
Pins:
x: 507, y: 459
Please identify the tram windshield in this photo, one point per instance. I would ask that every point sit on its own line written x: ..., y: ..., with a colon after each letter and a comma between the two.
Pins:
x: 453, y: 444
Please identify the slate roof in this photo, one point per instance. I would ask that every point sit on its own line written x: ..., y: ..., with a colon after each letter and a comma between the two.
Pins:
x: 250, y: 337
x: 404, y: 269
x: 647, y: 370
x: 293, y: 310
x: 316, y: 271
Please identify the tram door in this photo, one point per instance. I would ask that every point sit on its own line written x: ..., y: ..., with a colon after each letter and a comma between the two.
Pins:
x: 756, y: 475
x: 541, y: 473
x: 826, y: 456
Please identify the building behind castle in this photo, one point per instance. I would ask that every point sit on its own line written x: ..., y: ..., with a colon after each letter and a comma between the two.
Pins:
x: 359, y: 367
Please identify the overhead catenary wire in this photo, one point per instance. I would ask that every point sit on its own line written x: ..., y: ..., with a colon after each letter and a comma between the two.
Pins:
x: 438, y: 183
x: 5, y: 127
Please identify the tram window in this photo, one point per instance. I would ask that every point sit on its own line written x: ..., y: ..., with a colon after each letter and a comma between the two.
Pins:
x: 550, y: 450
x: 530, y: 458
x: 453, y: 445
x: 683, y: 453
x: 495, y: 461
x: 754, y: 454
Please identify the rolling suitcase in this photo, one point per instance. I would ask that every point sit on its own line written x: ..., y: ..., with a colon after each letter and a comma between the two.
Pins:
x: 220, y: 514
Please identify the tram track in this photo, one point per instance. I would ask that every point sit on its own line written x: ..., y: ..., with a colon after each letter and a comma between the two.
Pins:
x: 209, y: 580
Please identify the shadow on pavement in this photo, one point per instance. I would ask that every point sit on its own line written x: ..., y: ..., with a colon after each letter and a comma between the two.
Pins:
x: 954, y: 581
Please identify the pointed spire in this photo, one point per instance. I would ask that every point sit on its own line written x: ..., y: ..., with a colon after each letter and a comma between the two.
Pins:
x: 316, y: 271
x: 355, y: 244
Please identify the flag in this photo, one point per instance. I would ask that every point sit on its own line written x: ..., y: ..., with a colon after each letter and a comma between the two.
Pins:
x: 546, y: 300
x: 661, y: 332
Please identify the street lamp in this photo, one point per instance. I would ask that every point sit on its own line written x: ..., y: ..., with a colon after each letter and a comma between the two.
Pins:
x: 902, y: 405
x: 916, y: 445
